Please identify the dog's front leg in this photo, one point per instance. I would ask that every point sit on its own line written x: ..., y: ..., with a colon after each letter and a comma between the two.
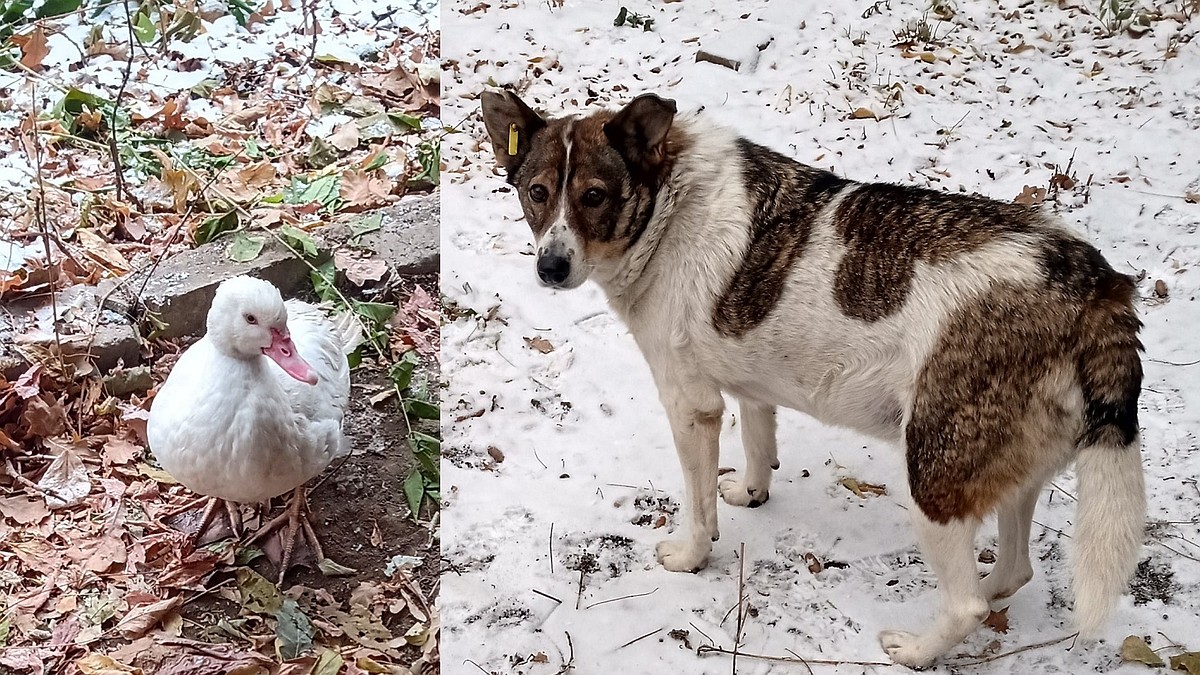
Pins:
x: 753, y: 487
x: 696, y: 426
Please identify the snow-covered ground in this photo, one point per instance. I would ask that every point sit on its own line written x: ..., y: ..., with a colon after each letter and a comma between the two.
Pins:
x: 560, y: 460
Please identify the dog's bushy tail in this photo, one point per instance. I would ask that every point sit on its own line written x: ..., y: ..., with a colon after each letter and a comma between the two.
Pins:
x: 1112, y: 497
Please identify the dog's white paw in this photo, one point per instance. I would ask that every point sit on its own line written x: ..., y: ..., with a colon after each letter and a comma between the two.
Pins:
x: 682, y: 555
x: 906, y: 648
x: 736, y: 492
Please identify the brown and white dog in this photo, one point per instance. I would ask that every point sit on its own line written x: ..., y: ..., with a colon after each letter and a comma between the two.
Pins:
x: 990, y: 342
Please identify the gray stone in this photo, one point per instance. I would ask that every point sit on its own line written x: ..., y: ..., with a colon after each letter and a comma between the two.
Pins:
x: 408, y: 238
x: 27, y: 330
x: 181, y: 289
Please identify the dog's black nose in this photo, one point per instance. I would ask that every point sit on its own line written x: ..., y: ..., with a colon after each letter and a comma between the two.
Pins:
x: 553, y: 269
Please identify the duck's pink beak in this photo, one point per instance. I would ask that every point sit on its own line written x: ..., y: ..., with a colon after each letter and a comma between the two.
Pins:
x: 283, y: 352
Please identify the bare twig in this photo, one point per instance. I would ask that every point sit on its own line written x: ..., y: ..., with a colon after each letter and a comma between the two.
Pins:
x: 579, y: 598
x: 641, y: 637
x: 546, y: 595
x: 113, y: 149
x: 741, y: 615
x: 706, y: 649
x: 623, y: 597
x: 551, y: 549
x: 44, y: 227
x: 569, y: 664
x: 1018, y: 650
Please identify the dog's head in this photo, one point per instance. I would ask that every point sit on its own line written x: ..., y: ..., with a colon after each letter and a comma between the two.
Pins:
x: 588, y: 184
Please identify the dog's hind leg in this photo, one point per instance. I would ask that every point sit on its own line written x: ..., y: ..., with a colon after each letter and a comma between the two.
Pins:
x: 948, y: 548
x: 1013, y: 569
x: 696, y: 425
x: 758, y: 438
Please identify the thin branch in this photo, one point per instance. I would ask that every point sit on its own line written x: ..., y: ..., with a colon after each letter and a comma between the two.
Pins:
x: 1018, y: 650
x: 705, y: 649
x: 623, y: 597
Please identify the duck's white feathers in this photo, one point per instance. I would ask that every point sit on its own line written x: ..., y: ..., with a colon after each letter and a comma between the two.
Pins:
x: 245, y: 431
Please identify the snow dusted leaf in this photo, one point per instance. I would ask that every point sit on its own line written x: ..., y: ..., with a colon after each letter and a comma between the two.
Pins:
x: 142, y: 618
x: 863, y: 114
x: 293, y: 632
x: 862, y: 489
x: 66, y: 481
x: 1135, y: 649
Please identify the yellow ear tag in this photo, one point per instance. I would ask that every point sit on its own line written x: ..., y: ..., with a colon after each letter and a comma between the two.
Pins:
x: 512, y: 140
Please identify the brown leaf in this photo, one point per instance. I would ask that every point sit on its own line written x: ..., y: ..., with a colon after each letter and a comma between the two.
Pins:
x: 99, y: 664
x: 142, y: 618
x: 359, y: 266
x: 361, y: 190
x: 120, y: 451
x: 997, y: 620
x: 1135, y: 649
x: 496, y: 454
x: 42, y: 419
x: 1031, y: 196
x: 101, y: 251
x: 1192, y: 197
x: 109, y: 551
x: 345, y: 138
x: 1189, y: 661
x: 33, y: 48
x: 539, y: 343
x: 863, y: 114
x: 862, y: 489
x: 22, y: 510
x: 814, y: 565
x: 1160, y: 288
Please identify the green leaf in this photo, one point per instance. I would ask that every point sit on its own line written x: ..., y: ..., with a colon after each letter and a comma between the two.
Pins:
x: 299, y: 239
x: 323, y: 282
x: 328, y: 663
x: 426, y: 444
x: 258, y: 594
x: 401, y: 372
x: 245, y: 247
x: 405, y: 119
x: 247, y: 554
x: 375, y: 312
x: 365, y: 225
x: 143, y: 28
x: 58, y: 8
x: 422, y: 409
x: 213, y: 227
x: 204, y: 88
x: 293, y: 632
x: 376, y: 162
x: 414, y: 491
x: 331, y: 569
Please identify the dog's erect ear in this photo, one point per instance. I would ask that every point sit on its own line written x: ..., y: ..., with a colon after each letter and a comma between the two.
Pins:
x: 510, y: 123
x: 639, y: 132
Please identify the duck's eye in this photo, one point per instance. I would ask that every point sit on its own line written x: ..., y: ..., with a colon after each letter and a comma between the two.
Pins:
x: 251, y: 319
x: 593, y: 197
x: 538, y: 193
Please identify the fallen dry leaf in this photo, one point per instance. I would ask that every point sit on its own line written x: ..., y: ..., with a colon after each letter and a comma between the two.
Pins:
x: 1189, y: 662
x: 1031, y: 196
x: 66, y: 481
x: 142, y: 618
x: 862, y: 489
x: 539, y: 343
x: 99, y: 664
x: 1135, y: 649
x: 101, y: 251
x: 997, y: 620
x: 23, y: 510
x: 1160, y: 289
x: 33, y: 48
x: 814, y: 565
x: 359, y: 266
x: 120, y: 451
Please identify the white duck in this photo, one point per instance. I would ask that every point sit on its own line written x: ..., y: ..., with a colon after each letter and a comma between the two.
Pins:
x: 254, y: 408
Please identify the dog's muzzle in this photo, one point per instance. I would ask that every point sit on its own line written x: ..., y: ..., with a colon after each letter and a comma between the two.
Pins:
x: 553, y: 268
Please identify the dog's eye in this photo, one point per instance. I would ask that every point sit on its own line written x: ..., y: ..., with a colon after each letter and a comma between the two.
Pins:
x: 251, y: 319
x: 538, y: 193
x: 593, y: 197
